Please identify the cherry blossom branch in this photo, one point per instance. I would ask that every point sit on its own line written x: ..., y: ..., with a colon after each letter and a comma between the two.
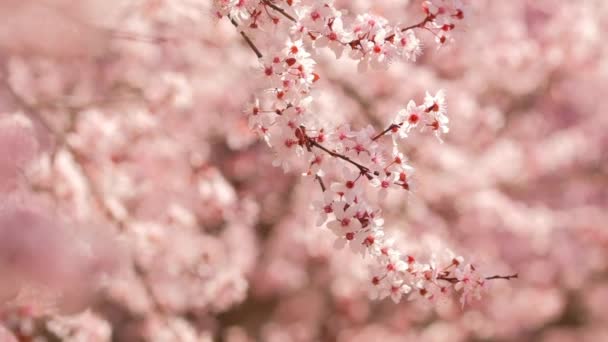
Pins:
x: 412, y: 118
x: 137, y: 37
x: 357, y: 42
x: 355, y: 221
x: 428, y: 18
x: 310, y: 141
x: 421, y: 24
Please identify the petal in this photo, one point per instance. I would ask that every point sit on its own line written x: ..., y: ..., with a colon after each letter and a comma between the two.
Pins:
x: 354, y: 225
x: 335, y: 226
x: 339, y: 243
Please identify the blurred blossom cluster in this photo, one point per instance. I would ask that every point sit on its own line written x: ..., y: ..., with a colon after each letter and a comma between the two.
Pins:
x: 303, y: 170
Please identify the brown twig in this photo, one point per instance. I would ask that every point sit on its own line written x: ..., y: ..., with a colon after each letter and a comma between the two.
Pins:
x: 421, y: 24
x: 248, y: 40
x: 321, y: 183
x: 388, y: 129
x: 494, y: 277
x: 508, y: 277
x: 279, y: 9
x: 363, y: 169
x: 96, y: 194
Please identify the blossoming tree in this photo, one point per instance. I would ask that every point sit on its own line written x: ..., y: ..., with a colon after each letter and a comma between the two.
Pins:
x: 244, y: 169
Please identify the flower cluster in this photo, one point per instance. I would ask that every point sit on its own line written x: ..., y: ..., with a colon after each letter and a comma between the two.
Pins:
x: 431, y: 114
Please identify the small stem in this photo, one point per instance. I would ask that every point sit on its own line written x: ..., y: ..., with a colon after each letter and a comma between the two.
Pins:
x: 507, y: 277
x: 363, y: 169
x: 381, y: 134
x: 280, y: 10
x: 248, y: 40
x: 355, y: 95
x: 420, y: 24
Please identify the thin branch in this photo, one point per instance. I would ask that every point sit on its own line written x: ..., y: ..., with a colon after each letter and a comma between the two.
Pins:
x: 454, y: 280
x: 508, y: 277
x: 280, y: 10
x: 320, y: 180
x: 421, y: 24
x: 388, y: 129
x: 259, y: 54
x: 248, y: 40
x: 363, y: 169
x: 95, y: 193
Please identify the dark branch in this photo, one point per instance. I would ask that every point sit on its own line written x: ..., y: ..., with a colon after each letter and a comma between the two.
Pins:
x: 454, y: 280
x: 509, y: 277
x: 364, y: 170
x: 388, y: 129
x: 320, y: 180
x: 419, y: 25
x: 280, y: 10
x: 248, y: 40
